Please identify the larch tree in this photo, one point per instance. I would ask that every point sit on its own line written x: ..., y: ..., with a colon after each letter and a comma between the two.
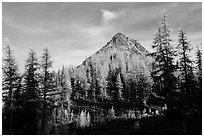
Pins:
x: 10, y: 85
x: 66, y: 85
x: 46, y: 85
x: 65, y: 94
x: 199, y: 76
x: 32, y: 92
x: 163, y: 73
x: 142, y: 88
x: 94, y: 85
x: 185, y: 63
x: 199, y: 67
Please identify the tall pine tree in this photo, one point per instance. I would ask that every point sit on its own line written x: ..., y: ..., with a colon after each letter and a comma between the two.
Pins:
x: 199, y: 77
x: 46, y: 86
x: 199, y: 67
x: 31, y: 94
x: 163, y: 72
x: 185, y: 63
x: 10, y: 87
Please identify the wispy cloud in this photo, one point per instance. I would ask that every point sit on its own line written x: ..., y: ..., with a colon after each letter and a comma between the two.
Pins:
x: 110, y: 15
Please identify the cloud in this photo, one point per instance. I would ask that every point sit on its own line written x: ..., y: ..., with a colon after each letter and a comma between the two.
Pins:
x: 71, y: 34
x: 109, y: 15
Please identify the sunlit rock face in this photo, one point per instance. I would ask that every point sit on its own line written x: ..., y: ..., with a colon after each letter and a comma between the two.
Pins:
x: 123, y: 54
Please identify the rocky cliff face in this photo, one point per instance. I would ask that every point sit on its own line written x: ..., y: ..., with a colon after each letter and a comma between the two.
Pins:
x: 121, y: 53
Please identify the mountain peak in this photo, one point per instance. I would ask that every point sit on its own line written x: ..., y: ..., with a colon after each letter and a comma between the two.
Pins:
x: 121, y: 49
x: 119, y: 35
x: 119, y: 38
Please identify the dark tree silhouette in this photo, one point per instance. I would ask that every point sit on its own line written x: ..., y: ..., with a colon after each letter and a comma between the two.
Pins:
x: 163, y: 67
x: 10, y: 86
x: 31, y: 97
x: 185, y: 63
x: 199, y: 67
x: 143, y: 89
x: 46, y: 86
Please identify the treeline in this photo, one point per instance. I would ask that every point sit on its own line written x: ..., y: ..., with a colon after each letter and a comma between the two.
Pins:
x: 90, y: 84
x: 26, y: 100
x: 40, y: 98
x: 173, y: 70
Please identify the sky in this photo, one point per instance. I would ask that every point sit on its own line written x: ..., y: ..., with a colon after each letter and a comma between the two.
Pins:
x: 74, y: 31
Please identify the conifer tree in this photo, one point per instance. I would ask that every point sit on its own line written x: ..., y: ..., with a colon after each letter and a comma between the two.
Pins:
x: 32, y: 75
x: 199, y: 67
x: 185, y: 62
x: 163, y: 67
x: 142, y: 88
x: 65, y: 85
x: 46, y: 85
x: 62, y: 95
x: 31, y: 94
x: 199, y: 76
x: 10, y: 87
x: 94, y: 85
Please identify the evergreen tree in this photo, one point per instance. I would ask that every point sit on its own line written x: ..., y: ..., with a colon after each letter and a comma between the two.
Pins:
x: 46, y: 86
x: 32, y: 76
x: 115, y: 85
x: 94, y: 85
x: 65, y: 85
x: 31, y: 94
x: 199, y: 67
x: 10, y: 87
x: 78, y: 90
x: 199, y: 77
x: 18, y: 121
x: 163, y: 67
x: 142, y: 88
x: 185, y: 62
x: 130, y: 87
